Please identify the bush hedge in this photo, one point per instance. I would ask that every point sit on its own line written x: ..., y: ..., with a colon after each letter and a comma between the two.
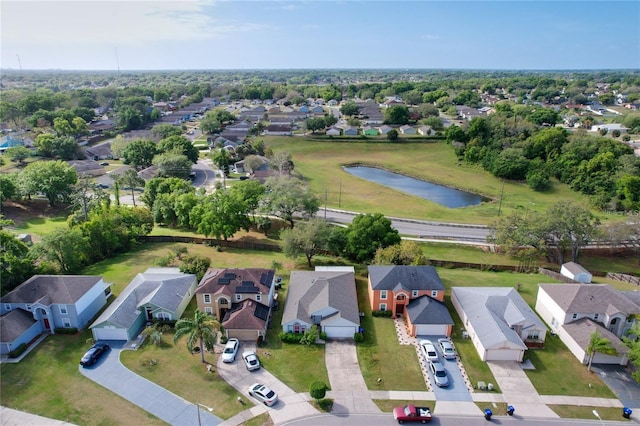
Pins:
x: 384, y: 314
x: 18, y: 351
x: 71, y: 330
x: 290, y: 337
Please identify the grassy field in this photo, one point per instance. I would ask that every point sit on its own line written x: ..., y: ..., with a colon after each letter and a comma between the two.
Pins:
x: 586, y: 412
x: 320, y: 163
x: 387, y: 405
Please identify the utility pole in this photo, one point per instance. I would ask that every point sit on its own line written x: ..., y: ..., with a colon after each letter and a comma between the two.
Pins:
x: 117, y: 60
x: 501, y: 193
x: 325, y: 204
x: 19, y: 63
x: 340, y: 195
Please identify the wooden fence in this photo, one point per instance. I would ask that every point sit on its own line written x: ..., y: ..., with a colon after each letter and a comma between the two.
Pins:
x: 624, y: 277
x: 247, y: 245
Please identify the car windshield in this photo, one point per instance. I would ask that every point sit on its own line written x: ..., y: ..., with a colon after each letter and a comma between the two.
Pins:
x: 228, y: 350
x: 270, y: 394
x: 440, y: 373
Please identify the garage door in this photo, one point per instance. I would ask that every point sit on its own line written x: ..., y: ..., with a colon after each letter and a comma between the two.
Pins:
x: 111, y: 333
x: 339, y: 332
x: 431, y: 330
x: 504, y: 355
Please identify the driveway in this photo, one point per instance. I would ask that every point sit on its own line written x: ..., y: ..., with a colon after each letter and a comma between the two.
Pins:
x: 348, y: 389
x: 111, y: 374
x: 291, y: 405
x: 621, y: 383
x: 458, y: 389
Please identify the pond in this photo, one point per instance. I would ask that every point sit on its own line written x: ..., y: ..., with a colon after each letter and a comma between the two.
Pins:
x: 443, y: 195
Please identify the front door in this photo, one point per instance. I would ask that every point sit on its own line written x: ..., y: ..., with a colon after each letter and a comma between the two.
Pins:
x: 149, y: 314
x: 399, y: 309
x: 46, y: 324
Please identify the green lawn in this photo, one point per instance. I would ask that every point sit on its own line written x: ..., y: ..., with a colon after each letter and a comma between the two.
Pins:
x: 320, y: 163
x: 387, y: 405
x: 586, y: 412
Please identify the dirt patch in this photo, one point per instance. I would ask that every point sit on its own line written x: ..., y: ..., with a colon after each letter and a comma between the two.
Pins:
x: 22, y: 211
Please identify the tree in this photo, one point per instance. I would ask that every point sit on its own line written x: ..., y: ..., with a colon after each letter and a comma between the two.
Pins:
x: 222, y: 159
x: 8, y: 186
x: 118, y: 146
x: 130, y: 118
x: 49, y: 145
x: 624, y: 234
x: 54, y: 179
x: 306, y: 239
x: 434, y: 122
x: 253, y: 162
x: 511, y: 164
x: 350, y: 109
x: 18, y: 154
x: 250, y: 191
x: 615, y: 133
x: 156, y: 186
x: 600, y: 344
x: 195, y: 264
x: 396, y: 114
x: 179, y: 145
x: 367, y: 233
x: 130, y: 180
x: 85, y: 196
x: 286, y: 196
x: 139, y: 153
x: 392, y: 135
x: 172, y: 164
x: 16, y: 263
x: 202, y: 329
x: 456, y: 134
x: 220, y: 214
x: 569, y: 226
x: 66, y: 248
x: 165, y: 130
x: 405, y: 253
x: 282, y: 162
x: 314, y: 124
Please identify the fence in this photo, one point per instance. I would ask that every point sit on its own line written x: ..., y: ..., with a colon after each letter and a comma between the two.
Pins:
x: 624, y: 277
x: 557, y: 276
x: 248, y: 245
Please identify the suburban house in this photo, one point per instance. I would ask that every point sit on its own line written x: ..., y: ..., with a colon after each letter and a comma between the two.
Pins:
x: 350, y: 131
x: 426, y: 131
x: 399, y: 289
x: 407, y: 130
x: 156, y: 294
x: 278, y: 130
x: 240, y: 299
x: 326, y: 298
x: 498, y: 321
x: 369, y: 131
x: 384, y: 129
x: 333, y: 131
x: 575, y: 311
x: 45, y: 303
x: 575, y: 272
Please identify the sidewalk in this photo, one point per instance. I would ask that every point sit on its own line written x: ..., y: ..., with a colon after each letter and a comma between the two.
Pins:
x: 11, y: 417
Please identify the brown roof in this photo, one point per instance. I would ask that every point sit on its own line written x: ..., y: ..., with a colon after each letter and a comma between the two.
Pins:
x: 246, y: 315
x: 230, y: 281
x: 52, y: 289
x: 13, y: 324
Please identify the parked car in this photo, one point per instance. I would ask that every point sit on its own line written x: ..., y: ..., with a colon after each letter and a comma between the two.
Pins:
x: 104, y: 163
x: 251, y: 360
x: 428, y: 350
x: 264, y: 394
x: 411, y: 413
x: 447, y: 349
x: 439, y: 374
x: 93, y: 354
x: 230, y: 350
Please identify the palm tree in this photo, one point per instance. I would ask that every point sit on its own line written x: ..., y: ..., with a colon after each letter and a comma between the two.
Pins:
x: 202, y: 329
x: 600, y: 344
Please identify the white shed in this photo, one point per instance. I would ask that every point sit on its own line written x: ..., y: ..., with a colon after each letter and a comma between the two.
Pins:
x: 575, y: 272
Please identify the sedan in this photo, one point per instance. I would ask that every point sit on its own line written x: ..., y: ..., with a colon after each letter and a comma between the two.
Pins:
x: 429, y: 351
x: 264, y: 394
x: 439, y: 374
x: 447, y: 349
x: 93, y: 354
x: 230, y: 350
x: 251, y: 360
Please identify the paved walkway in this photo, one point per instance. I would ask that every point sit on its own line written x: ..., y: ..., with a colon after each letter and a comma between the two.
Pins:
x: 348, y: 389
x: 110, y: 373
x: 11, y: 417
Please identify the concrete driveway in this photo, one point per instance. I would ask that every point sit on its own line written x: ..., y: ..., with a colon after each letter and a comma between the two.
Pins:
x: 621, y: 383
x: 169, y: 407
x: 291, y: 405
x: 348, y: 389
x: 457, y: 389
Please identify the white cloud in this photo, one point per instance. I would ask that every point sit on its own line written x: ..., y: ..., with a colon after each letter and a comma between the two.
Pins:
x: 111, y: 21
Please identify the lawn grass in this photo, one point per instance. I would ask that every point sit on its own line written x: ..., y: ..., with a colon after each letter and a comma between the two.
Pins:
x: 47, y: 382
x: 380, y: 355
x: 586, y: 412
x: 387, y: 405
x: 320, y: 163
x: 261, y: 420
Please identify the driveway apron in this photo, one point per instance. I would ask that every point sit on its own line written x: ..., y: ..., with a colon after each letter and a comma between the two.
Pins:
x: 621, y: 383
x: 111, y: 374
x: 348, y: 388
x: 518, y: 390
x: 291, y: 405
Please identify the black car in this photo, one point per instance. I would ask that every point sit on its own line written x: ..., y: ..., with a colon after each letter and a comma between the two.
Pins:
x: 93, y: 354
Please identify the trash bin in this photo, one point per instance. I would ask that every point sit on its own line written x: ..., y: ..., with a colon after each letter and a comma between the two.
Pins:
x: 510, y: 410
x: 488, y: 413
x: 626, y: 412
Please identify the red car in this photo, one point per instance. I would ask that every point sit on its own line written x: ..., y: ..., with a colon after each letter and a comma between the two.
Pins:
x: 411, y: 413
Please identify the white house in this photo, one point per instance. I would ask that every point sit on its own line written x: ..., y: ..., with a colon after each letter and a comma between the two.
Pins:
x: 426, y: 131
x: 407, y: 130
x: 499, y: 322
x: 609, y: 127
x: 333, y: 131
x: 575, y: 311
x: 575, y: 272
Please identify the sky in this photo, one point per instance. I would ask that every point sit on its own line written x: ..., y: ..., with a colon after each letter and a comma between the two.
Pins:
x: 320, y: 34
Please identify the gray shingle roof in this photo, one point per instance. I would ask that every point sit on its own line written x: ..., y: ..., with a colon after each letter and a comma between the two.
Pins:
x: 13, y: 324
x: 492, y: 311
x: 582, y: 329
x: 52, y: 289
x: 161, y: 287
x: 590, y: 298
x: 426, y: 310
x: 575, y: 268
x: 395, y: 277
x: 313, y: 291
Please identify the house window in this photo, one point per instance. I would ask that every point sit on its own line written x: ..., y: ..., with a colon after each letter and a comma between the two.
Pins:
x: 207, y: 298
x: 238, y: 297
x: 208, y: 310
x: 574, y: 316
x: 63, y: 310
x: 303, y: 329
x: 223, y: 301
x: 383, y: 294
x: 28, y: 307
x: 383, y: 306
x: 163, y: 316
x: 296, y: 328
x: 258, y: 297
x: 414, y: 293
x: 66, y: 322
x: 7, y: 306
x: 596, y: 317
x: 533, y: 335
x: 434, y: 293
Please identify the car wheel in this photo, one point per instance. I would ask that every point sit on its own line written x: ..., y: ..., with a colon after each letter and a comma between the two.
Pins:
x: 423, y: 421
x: 265, y: 403
x: 400, y: 421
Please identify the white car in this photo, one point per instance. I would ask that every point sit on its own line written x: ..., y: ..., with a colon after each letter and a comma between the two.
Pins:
x: 264, y: 394
x: 447, y: 349
x: 230, y: 350
x: 439, y: 374
x: 429, y: 351
x: 251, y: 360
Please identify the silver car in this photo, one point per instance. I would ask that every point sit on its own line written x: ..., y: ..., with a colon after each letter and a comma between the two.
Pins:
x: 447, y: 349
x: 439, y: 374
x: 251, y: 360
x: 230, y: 350
x: 428, y: 350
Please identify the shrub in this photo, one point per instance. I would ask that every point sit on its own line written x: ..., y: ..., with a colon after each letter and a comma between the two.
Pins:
x: 290, y: 337
x: 323, y: 335
x: 71, y: 330
x: 310, y: 336
x: 326, y: 404
x: 358, y: 337
x: 383, y: 314
x: 318, y: 389
x: 18, y: 351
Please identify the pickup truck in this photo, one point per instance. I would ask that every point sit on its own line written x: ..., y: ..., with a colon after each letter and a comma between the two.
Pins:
x: 411, y: 413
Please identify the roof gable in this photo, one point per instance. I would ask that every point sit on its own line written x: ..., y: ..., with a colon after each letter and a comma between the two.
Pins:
x: 230, y: 281
x: 395, y: 277
x: 52, y: 289
x: 426, y: 310
x: 590, y: 298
